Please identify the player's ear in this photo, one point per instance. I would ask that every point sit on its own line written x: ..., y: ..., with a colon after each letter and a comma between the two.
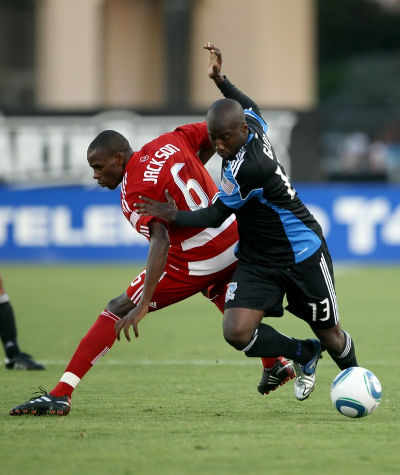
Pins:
x: 120, y: 158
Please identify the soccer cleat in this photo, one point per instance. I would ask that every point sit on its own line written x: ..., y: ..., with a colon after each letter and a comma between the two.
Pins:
x: 22, y: 361
x: 305, y: 374
x: 44, y: 404
x: 278, y: 375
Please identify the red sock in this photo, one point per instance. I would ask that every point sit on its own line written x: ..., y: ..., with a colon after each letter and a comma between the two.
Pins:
x: 95, y: 344
x: 268, y: 362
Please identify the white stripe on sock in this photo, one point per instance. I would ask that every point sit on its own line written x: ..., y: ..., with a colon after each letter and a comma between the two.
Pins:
x: 70, y: 378
x: 347, y: 346
x: 251, y: 342
x: 107, y: 313
x: 102, y: 353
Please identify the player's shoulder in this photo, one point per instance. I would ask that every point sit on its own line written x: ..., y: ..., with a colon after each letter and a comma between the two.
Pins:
x: 195, y: 127
x: 255, y: 121
x: 153, y: 146
x: 139, y: 176
x: 252, y: 164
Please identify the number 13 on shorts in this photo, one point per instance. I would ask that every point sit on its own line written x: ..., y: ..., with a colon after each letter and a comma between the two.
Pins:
x: 320, y: 310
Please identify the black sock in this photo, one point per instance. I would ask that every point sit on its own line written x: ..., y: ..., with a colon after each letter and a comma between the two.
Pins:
x: 267, y: 342
x: 8, y: 330
x: 348, y: 357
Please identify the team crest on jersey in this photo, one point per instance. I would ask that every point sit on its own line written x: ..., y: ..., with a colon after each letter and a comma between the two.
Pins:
x: 144, y: 158
x: 230, y: 293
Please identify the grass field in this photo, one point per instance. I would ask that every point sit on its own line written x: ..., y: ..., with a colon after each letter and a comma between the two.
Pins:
x: 179, y: 400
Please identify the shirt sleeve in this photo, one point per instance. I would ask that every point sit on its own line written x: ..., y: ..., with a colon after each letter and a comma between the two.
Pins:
x: 232, y: 92
x: 211, y: 217
x: 195, y: 135
x: 138, y: 222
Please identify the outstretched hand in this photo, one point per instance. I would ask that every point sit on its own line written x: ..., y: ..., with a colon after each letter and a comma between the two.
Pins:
x: 164, y: 210
x: 214, y: 67
x: 131, y: 319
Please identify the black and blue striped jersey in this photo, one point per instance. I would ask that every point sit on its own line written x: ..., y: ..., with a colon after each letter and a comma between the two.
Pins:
x: 275, y: 227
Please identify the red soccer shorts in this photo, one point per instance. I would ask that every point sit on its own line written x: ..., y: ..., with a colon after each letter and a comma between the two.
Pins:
x: 175, y: 286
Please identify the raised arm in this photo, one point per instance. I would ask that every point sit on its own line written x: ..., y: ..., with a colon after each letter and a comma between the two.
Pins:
x: 225, y: 86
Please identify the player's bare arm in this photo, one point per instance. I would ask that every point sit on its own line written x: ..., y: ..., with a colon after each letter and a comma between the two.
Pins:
x: 212, y: 216
x: 228, y: 90
x: 157, y: 257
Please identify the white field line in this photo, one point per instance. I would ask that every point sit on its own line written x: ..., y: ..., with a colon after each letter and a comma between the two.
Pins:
x: 244, y: 362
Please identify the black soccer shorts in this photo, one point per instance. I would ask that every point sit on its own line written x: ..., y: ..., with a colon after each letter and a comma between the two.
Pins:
x: 308, y: 286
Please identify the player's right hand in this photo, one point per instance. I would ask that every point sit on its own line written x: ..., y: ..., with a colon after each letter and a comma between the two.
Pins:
x: 164, y: 210
x: 214, y: 67
x: 131, y: 319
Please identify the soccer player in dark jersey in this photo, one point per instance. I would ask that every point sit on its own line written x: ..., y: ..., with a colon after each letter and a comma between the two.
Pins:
x: 15, y: 358
x: 281, y: 248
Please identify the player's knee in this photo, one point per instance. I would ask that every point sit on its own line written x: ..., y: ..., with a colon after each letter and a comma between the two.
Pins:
x: 120, y: 305
x: 236, y: 337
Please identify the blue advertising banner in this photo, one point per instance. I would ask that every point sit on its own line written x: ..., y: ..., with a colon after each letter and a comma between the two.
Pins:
x: 361, y: 222
x: 66, y: 224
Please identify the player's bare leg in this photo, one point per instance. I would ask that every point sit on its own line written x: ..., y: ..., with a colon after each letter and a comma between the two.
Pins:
x: 276, y: 371
x: 241, y: 328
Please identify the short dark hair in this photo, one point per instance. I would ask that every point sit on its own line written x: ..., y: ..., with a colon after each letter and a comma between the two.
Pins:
x: 225, y: 109
x: 110, y: 142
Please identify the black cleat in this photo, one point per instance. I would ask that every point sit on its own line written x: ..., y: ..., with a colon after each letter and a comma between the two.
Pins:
x: 278, y: 375
x: 22, y: 361
x: 46, y: 404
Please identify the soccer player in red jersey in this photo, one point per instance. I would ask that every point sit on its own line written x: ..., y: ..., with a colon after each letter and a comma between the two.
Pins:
x: 181, y: 261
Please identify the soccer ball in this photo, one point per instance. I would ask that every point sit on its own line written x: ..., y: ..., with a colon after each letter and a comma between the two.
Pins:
x: 356, y: 392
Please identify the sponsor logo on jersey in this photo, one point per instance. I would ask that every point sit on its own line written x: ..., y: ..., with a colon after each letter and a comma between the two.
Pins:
x: 144, y: 158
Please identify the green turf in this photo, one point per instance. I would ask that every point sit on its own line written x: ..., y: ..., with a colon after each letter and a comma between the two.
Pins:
x: 179, y: 400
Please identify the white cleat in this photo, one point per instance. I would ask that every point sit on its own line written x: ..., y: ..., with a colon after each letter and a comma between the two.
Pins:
x: 303, y: 384
x: 305, y: 374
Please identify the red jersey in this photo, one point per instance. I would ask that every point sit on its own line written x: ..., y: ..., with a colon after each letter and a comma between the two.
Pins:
x: 171, y: 162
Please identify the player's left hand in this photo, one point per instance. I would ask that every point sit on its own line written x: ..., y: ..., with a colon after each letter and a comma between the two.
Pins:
x: 131, y: 319
x: 149, y: 207
x: 215, y: 64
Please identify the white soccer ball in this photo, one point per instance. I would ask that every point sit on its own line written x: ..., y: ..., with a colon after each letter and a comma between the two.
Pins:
x: 356, y: 392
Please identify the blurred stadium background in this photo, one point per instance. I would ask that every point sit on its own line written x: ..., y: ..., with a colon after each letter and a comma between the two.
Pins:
x: 325, y: 72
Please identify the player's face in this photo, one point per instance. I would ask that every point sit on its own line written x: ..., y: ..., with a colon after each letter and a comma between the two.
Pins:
x: 108, y: 170
x: 227, y: 139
